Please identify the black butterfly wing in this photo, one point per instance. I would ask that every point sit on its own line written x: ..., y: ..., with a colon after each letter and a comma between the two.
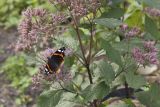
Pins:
x: 55, y: 62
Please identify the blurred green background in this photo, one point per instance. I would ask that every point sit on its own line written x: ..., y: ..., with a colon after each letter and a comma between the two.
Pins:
x: 16, y: 69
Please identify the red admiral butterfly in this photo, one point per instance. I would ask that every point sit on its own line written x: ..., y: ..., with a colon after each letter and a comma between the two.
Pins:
x: 55, y: 61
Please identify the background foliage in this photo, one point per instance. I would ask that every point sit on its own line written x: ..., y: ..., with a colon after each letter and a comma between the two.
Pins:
x: 111, y: 64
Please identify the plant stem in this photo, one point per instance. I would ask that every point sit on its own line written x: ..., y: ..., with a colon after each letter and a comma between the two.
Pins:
x: 91, y: 40
x: 127, y: 90
x: 83, y: 53
x: 66, y: 89
x: 89, y: 74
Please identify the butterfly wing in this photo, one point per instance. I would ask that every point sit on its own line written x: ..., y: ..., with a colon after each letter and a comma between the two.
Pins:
x: 55, y: 62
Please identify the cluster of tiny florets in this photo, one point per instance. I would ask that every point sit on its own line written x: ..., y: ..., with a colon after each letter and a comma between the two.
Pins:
x: 37, y: 25
x: 152, y: 11
x: 148, y: 56
x: 129, y: 31
x: 80, y: 8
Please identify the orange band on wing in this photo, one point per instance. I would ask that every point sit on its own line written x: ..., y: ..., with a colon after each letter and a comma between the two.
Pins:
x: 59, y: 68
x: 48, y: 67
x: 57, y: 54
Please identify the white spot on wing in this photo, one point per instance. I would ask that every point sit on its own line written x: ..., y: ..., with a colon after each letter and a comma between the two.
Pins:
x: 46, y: 69
x: 59, y: 50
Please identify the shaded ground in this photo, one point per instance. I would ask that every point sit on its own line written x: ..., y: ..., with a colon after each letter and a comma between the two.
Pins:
x: 8, y: 94
x: 6, y: 38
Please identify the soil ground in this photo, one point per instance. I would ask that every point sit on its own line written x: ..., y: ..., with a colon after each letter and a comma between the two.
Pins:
x: 8, y: 94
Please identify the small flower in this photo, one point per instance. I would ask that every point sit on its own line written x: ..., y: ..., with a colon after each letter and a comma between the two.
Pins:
x: 148, y: 56
x: 132, y: 32
x: 94, y: 5
x: 78, y: 9
x: 152, y: 11
x: 138, y: 55
x: 37, y: 27
x: 39, y: 12
x: 124, y: 27
x: 37, y: 81
x: 152, y: 58
x: 150, y: 46
x: 58, y: 18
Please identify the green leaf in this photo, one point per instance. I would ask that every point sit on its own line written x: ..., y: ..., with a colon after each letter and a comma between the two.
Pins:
x: 49, y: 98
x: 107, y: 72
x: 101, y: 90
x: 115, y: 12
x: 151, y: 27
x: 135, y: 19
x: 108, y: 22
x: 116, y: 2
x: 111, y: 53
x: 95, y: 91
x: 151, y: 3
x: 88, y: 94
x: 135, y: 81
x: 127, y: 47
x: 151, y: 97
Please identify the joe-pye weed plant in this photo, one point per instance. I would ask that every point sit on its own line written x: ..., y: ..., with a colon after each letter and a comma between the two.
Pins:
x: 107, y: 44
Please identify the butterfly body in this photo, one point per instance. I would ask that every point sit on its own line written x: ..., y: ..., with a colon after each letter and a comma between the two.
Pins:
x: 55, y: 61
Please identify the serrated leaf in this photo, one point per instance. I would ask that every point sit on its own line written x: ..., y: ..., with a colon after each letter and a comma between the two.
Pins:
x: 107, y: 72
x: 49, y: 98
x: 116, y: 2
x: 151, y: 3
x: 95, y: 91
x: 108, y: 22
x: 111, y: 53
x: 151, y: 27
x: 134, y: 42
x: 153, y: 96
x: 113, y: 13
x: 134, y: 81
x: 135, y: 19
x: 88, y: 94
x: 101, y: 90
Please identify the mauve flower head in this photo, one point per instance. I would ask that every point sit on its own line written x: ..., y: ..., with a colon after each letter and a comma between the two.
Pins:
x: 37, y: 27
x: 29, y: 12
x: 152, y: 58
x: 37, y: 81
x: 94, y: 5
x: 152, y: 11
x: 150, y: 46
x: 79, y: 8
x: 132, y: 32
x: 129, y: 32
x: 151, y: 52
x: 148, y: 56
x: 58, y: 18
x: 124, y: 27
x: 138, y: 55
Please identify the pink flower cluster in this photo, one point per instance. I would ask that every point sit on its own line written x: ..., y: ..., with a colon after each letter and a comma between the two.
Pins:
x: 152, y: 11
x: 80, y: 8
x: 37, y: 25
x: 129, y: 32
x: 148, y: 56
